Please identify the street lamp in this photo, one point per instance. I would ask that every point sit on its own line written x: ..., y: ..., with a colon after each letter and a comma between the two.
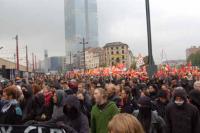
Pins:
x: 151, y: 64
x: 1, y: 47
x: 84, y: 43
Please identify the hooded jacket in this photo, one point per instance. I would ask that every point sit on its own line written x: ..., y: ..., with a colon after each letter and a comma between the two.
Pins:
x: 10, y: 113
x: 184, y: 118
x: 73, y: 117
x: 195, y: 98
x: 157, y: 125
x: 100, y: 117
x: 27, y: 104
x: 58, y: 108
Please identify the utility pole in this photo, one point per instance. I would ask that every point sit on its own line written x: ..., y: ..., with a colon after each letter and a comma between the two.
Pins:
x: 33, y: 62
x: 15, y: 66
x: 86, y: 20
x: 17, y: 54
x: 70, y: 56
x: 151, y: 64
x: 27, y: 59
x: 84, y: 42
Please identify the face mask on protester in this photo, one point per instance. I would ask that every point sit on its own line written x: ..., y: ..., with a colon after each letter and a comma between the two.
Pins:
x: 179, y: 103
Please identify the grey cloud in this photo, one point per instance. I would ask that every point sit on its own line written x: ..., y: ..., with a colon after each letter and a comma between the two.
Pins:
x: 40, y: 24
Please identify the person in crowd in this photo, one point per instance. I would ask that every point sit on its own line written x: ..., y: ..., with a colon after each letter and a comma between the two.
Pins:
x: 73, y: 116
x: 134, y: 89
x: 150, y: 120
x: 194, y: 98
x: 48, y: 106
x: 153, y: 92
x: 73, y: 85
x: 112, y: 96
x: 118, y: 90
x: 181, y: 117
x: 39, y: 102
x: 65, y: 87
x: 165, y: 88
x: 10, y: 112
x: 27, y: 104
x: 161, y: 103
x: 128, y: 103
x: 87, y: 97
x: 102, y: 112
x: 84, y: 105
x: 197, y: 85
x: 58, y: 97
x: 124, y: 123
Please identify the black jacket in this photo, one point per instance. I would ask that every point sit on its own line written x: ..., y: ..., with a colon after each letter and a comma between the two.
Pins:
x: 158, y: 125
x: 182, y: 119
x: 28, y: 105
x: 160, y: 108
x: 195, y: 98
x: 116, y: 99
x: 129, y: 106
x: 10, y: 113
x: 79, y: 122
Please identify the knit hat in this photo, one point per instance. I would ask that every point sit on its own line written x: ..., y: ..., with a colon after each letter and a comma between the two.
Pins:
x: 180, y: 92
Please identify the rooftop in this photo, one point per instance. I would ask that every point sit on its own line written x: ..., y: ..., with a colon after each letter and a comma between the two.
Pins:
x: 114, y: 44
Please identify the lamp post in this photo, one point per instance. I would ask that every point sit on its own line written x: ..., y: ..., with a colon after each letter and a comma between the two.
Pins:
x: 151, y: 64
x: 84, y: 43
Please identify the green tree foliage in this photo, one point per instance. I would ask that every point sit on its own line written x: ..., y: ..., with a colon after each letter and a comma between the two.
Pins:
x: 195, y: 59
x: 133, y: 65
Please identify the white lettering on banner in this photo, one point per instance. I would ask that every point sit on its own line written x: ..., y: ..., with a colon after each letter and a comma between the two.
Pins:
x: 40, y: 129
x: 3, y: 130
x: 29, y: 129
x: 55, y: 131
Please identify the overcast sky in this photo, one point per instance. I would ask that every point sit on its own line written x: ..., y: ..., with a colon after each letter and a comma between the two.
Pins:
x: 40, y: 25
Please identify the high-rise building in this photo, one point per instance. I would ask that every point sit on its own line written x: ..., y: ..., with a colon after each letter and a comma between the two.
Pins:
x: 80, y: 22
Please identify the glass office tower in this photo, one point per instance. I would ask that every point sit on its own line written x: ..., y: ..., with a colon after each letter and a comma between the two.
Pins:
x: 80, y: 21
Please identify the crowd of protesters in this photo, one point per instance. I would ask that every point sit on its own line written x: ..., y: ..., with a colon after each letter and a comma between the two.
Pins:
x: 103, y: 104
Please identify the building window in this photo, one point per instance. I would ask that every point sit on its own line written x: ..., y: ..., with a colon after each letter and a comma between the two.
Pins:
x: 112, y: 58
x: 123, y: 62
x: 122, y: 47
x: 111, y: 48
x: 112, y: 53
x: 122, y: 51
x: 122, y: 56
x: 117, y: 52
x: 113, y: 63
x: 116, y: 47
x: 118, y: 60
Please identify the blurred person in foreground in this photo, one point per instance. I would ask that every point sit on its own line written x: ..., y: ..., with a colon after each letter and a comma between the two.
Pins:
x: 10, y: 112
x: 124, y: 123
